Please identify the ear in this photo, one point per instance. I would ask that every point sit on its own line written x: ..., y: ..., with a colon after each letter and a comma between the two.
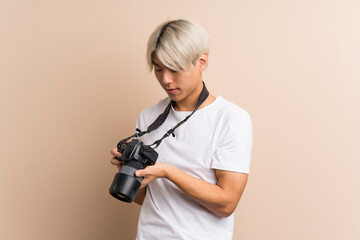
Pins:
x: 202, y: 62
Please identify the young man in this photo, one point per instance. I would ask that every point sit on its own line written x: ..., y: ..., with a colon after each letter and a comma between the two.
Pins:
x: 194, y: 187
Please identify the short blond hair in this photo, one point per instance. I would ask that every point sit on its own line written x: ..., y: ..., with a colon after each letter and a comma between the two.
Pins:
x: 177, y: 44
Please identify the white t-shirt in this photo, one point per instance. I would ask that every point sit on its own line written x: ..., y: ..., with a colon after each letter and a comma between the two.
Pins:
x: 218, y: 136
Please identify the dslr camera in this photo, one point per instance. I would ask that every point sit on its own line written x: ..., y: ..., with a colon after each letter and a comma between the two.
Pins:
x: 135, y: 156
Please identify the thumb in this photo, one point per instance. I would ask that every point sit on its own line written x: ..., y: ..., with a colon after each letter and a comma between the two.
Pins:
x: 140, y: 173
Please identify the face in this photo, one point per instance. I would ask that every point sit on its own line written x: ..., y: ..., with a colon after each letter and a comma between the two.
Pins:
x: 183, y: 87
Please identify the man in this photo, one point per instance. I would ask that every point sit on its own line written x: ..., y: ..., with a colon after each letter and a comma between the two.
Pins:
x: 194, y: 187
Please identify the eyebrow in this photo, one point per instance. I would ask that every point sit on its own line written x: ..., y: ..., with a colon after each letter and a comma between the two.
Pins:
x: 155, y: 63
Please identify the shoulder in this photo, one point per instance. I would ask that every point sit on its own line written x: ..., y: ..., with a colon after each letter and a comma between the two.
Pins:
x: 156, y: 109
x: 228, y: 110
x: 148, y: 115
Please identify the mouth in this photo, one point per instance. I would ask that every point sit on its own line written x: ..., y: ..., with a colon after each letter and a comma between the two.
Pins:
x: 172, y: 90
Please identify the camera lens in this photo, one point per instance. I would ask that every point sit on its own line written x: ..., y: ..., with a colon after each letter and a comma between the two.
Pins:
x: 120, y: 196
x: 125, y: 187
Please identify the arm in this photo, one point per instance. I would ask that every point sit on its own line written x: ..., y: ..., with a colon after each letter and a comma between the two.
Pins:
x: 140, y: 196
x: 221, y: 198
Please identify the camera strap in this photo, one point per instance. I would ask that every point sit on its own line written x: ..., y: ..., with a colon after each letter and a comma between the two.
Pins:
x: 162, y: 117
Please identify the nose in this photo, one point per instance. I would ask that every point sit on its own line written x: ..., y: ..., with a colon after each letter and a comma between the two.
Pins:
x: 167, y: 77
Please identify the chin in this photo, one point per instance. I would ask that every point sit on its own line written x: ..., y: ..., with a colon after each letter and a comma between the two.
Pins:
x: 175, y: 98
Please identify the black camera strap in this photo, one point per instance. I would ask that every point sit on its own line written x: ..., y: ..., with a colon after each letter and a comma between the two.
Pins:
x: 162, y: 117
x: 203, y: 96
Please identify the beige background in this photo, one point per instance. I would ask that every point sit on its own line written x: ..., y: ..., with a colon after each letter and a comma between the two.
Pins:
x: 73, y: 80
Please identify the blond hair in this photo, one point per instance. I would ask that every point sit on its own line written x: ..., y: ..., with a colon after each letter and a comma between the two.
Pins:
x: 177, y: 44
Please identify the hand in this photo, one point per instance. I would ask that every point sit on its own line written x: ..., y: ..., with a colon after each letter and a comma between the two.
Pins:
x: 150, y: 173
x: 115, y: 160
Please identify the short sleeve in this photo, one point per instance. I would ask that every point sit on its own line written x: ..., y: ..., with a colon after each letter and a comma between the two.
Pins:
x: 233, y: 152
x: 140, y: 125
x: 137, y: 125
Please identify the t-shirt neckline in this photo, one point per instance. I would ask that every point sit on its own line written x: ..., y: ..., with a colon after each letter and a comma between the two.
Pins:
x: 199, y: 110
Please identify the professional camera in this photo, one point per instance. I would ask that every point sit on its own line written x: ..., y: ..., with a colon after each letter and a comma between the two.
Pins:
x: 136, y: 156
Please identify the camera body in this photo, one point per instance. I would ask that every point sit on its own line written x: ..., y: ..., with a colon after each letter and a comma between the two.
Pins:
x: 136, y: 156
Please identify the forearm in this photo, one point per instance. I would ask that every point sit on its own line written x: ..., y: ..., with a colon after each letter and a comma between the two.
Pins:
x: 140, y: 196
x: 211, y: 196
x: 220, y: 198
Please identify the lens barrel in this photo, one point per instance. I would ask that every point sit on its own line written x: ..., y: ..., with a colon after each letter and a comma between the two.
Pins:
x: 126, y: 185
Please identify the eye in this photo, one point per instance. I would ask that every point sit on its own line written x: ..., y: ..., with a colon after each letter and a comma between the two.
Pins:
x: 158, y: 69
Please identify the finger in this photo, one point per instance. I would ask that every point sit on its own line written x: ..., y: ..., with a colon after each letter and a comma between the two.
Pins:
x: 116, y: 162
x: 144, y: 182
x: 140, y: 173
x: 115, y: 152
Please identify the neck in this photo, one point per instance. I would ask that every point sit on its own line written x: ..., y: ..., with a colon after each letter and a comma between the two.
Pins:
x: 189, y: 103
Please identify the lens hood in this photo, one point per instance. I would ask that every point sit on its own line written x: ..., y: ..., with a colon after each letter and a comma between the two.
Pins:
x: 124, y: 187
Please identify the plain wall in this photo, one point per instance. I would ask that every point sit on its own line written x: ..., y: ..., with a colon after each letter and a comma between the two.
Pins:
x: 73, y: 79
